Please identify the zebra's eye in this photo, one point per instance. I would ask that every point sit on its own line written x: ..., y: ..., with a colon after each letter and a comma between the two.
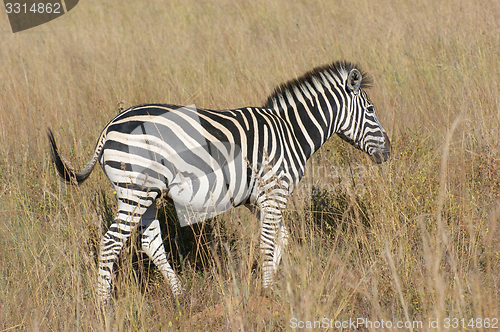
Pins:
x: 370, y: 109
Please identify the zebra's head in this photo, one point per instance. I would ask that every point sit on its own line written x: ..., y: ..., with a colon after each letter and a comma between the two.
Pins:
x: 361, y: 127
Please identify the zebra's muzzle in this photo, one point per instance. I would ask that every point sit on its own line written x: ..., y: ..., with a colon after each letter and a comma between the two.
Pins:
x: 383, y: 153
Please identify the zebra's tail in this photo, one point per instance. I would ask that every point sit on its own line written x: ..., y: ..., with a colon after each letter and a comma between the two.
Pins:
x: 64, y: 169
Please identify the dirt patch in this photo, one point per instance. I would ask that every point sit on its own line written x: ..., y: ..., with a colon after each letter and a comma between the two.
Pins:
x: 237, y: 313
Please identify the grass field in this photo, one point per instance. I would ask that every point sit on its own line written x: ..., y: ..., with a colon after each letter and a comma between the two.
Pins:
x: 412, y: 240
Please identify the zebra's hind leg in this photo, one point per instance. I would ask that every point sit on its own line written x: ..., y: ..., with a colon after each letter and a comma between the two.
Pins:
x: 128, y: 217
x: 132, y: 204
x: 152, y: 245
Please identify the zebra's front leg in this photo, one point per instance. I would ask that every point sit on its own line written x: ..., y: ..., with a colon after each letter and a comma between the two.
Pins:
x: 273, y: 239
x: 152, y: 244
x: 280, y: 245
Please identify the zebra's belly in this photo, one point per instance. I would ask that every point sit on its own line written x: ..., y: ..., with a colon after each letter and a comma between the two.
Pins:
x: 197, y: 198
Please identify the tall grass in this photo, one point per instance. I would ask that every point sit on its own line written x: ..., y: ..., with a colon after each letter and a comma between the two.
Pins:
x: 413, y: 239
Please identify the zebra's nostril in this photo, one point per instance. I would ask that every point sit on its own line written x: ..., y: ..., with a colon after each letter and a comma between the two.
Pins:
x: 380, y: 156
x: 383, y: 152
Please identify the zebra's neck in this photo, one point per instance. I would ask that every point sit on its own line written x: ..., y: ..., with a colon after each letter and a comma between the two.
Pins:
x: 311, y: 106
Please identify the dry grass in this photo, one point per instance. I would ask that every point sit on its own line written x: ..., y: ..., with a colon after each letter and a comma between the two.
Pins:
x: 413, y: 239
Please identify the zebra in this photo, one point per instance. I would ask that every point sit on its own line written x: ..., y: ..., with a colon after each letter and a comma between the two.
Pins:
x: 209, y: 161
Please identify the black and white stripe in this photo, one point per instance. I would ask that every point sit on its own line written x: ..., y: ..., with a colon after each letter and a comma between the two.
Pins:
x: 208, y: 161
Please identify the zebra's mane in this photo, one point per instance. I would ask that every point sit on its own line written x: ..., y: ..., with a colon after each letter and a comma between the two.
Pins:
x: 337, y: 68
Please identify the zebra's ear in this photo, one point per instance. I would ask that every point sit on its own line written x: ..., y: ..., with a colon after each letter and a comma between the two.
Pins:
x: 354, y: 80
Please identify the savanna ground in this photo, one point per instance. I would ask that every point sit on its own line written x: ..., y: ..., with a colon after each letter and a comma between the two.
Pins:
x: 415, y: 239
